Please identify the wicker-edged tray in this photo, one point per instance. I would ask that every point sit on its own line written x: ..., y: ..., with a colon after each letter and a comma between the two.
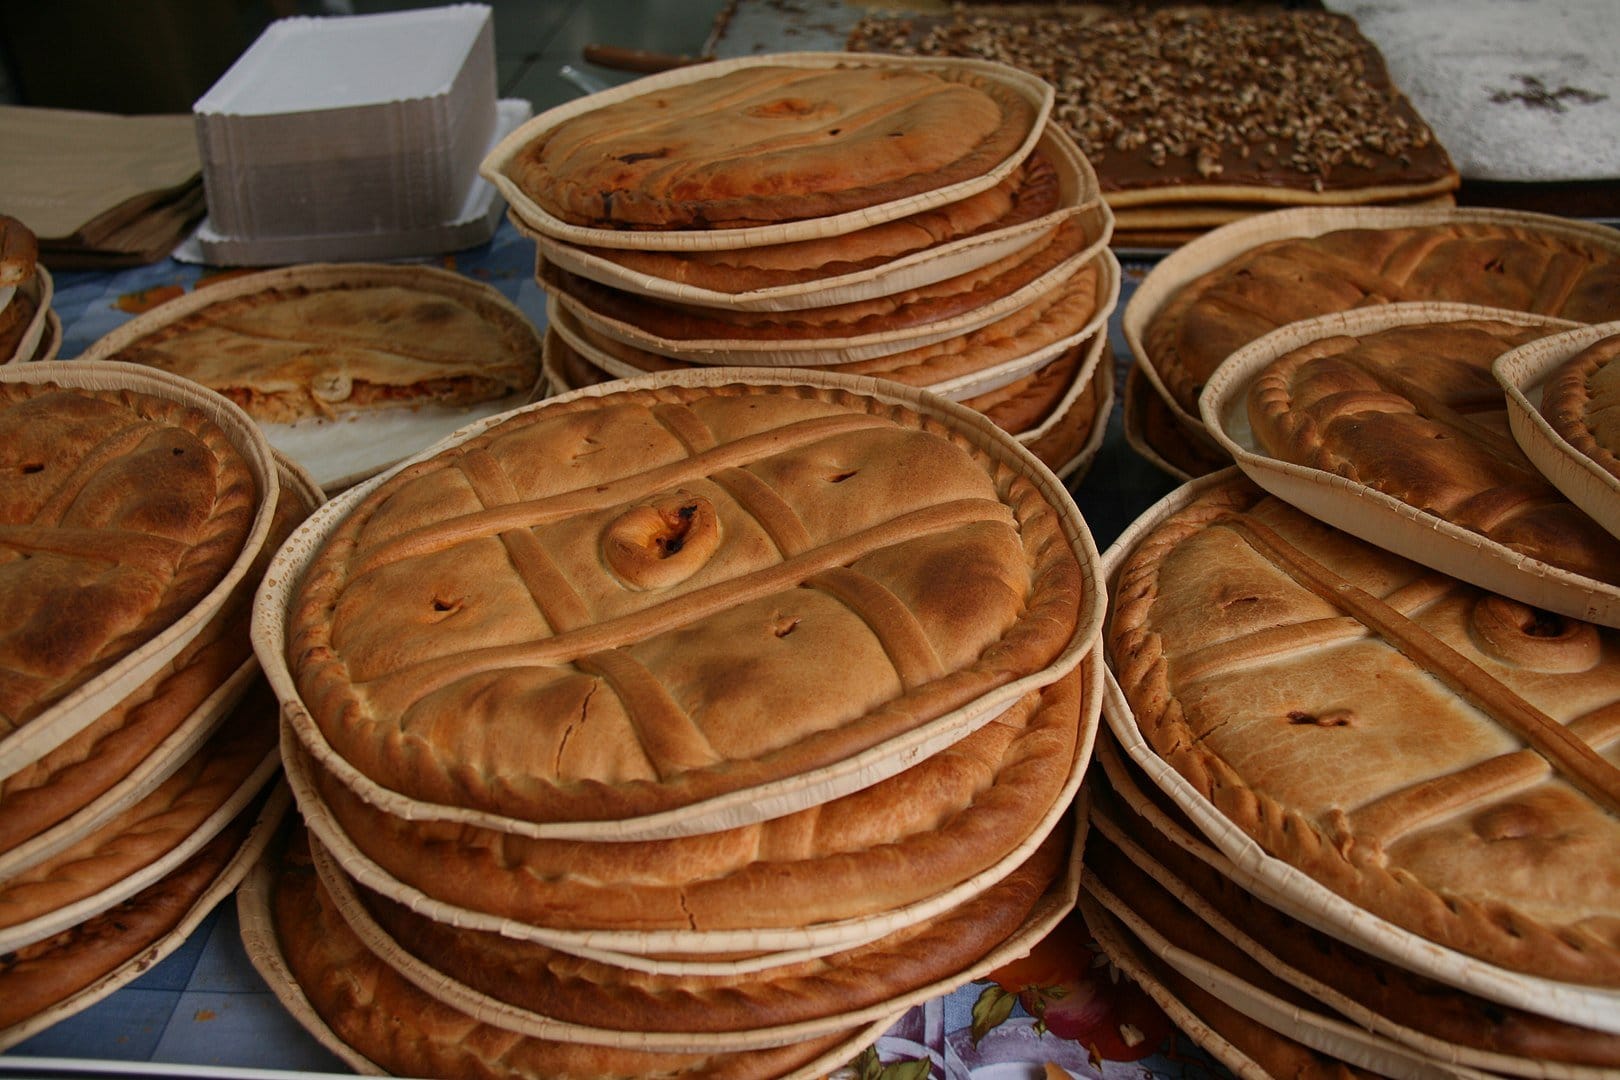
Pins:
x: 1372, y: 515
x: 1128, y: 802
x: 741, y: 806
x: 698, y: 952
x: 347, y: 448
x: 267, y: 819
x: 263, y: 946
x: 1078, y: 198
x: 43, y: 334
x: 1221, y: 245
x: 643, y: 1032
x: 1522, y: 373
x: 1289, y: 889
x: 496, y: 164
x: 85, y: 704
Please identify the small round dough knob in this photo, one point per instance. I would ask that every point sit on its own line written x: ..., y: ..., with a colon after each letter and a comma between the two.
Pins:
x: 663, y: 542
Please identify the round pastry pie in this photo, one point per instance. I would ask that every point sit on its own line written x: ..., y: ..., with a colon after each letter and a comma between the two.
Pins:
x: 630, y: 601
x: 371, y: 1015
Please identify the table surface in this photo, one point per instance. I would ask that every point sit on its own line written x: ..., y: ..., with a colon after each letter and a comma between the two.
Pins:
x: 204, y: 1010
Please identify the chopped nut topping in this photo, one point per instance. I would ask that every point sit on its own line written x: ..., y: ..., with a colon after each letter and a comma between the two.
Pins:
x: 1295, y: 91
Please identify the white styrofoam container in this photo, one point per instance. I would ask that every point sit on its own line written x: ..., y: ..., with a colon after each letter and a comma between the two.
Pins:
x: 346, y: 124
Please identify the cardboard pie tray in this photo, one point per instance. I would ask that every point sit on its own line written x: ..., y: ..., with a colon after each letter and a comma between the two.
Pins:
x: 89, y: 701
x: 356, y: 445
x: 563, y: 320
x: 744, y: 806
x: 266, y: 821
x: 701, y: 952
x: 820, y: 352
x: 1521, y: 372
x: 1362, y: 1017
x: 263, y: 947
x: 1320, y: 1032
x: 1289, y: 889
x: 1220, y: 246
x: 1078, y: 198
x: 41, y: 288
x: 496, y: 165
x: 43, y: 926
x: 1379, y: 519
x: 1049, y: 910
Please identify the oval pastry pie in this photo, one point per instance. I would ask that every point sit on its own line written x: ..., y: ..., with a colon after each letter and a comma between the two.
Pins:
x: 320, y: 341
x: 1432, y: 753
x: 1411, y: 409
x: 765, y: 143
x: 463, y: 639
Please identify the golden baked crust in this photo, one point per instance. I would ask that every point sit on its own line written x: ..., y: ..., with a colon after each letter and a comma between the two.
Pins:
x: 1414, y: 412
x: 1028, y: 192
x: 911, y: 309
x: 947, y: 819
x: 618, y: 588
x: 1060, y: 446
x: 375, y: 1011
x: 767, y: 144
x: 1581, y: 401
x: 569, y: 988
x: 1410, y: 1000
x: 1506, y: 266
x: 1435, y: 754
x: 326, y: 341
x: 120, y: 510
